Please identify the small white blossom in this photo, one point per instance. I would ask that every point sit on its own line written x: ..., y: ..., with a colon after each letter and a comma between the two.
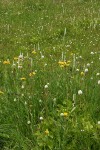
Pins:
x: 62, y: 114
x: 86, y: 70
x: 98, y: 81
x: 40, y: 101
x: 88, y: 65
x: 42, y: 56
x: 80, y: 92
x: 99, y: 122
x: 28, y: 122
x: 77, y: 70
x: 92, y: 53
x: 46, y: 86
x: 22, y: 87
x: 97, y: 74
x: 25, y: 103
x: 15, y: 99
x: 41, y: 118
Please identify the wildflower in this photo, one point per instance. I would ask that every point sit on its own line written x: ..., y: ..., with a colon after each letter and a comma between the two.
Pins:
x: 98, y: 81
x: 77, y: 70
x: 64, y: 63
x: 28, y: 122
x: 62, y: 114
x: 23, y: 78
x: 15, y: 58
x: 22, y: 87
x: 20, y: 56
x: 25, y: 103
x: 15, y: 99
x: 65, y: 114
x: 32, y: 74
x: 46, y: 131
x: 22, y: 94
x: 86, y: 70
x: 82, y: 73
x: 1, y: 92
x: 42, y: 56
x: 46, y: 86
x: 88, y: 65
x: 92, y: 53
x: 20, y: 67
x: 33, y: 52
x: 99, y: 122
x: 97, y: 74
x: 41, y: 118
x: 80, y: 92
x: 6, y: 62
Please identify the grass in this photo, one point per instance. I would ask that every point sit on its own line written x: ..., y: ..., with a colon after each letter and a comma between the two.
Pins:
x: 49, y: 75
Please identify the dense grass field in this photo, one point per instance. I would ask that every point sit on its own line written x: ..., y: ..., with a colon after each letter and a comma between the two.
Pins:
x: 49, y: 75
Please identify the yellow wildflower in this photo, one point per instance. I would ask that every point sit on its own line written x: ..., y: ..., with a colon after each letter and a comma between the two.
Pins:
x: 23, y: 78
x: 1, y: 92
x: 68, y: 61
x: 33, y: 52
x: 46, y: 131
x: 65, y: 114
x: 64, y: 63
x: 6, y: 62
x: 82, y: 73
x: 15, y: 58
x: 32, y: 74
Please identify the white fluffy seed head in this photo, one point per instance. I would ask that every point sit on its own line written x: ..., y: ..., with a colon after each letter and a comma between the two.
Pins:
x: 46, y: 86
x: 98, y: 81
x: 80, y: 92
x: 86, y: 70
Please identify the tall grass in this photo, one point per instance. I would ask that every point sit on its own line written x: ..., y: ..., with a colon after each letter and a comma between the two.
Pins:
x: 49, y: 75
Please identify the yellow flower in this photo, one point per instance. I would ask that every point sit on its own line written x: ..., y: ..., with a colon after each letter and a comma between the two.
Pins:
x: 65, y: 114
x: 32, y: 74
x: 64, y: 63
x: 1, y: 92
x: 23, y: 78
x: 15, y: 58
x: 68, y: 61
x: 6, y: 62
x: 82, y: 74
x: 46, y: 131
x: 33, y: 52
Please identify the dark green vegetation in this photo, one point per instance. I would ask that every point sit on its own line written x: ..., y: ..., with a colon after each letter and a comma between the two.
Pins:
x: 49, y: 75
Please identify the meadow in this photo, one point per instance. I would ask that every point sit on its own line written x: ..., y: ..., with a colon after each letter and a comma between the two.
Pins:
x: 49, y: 75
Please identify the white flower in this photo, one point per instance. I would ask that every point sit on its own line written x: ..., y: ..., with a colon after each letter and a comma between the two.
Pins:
x: 46, y: 86
x: 91, y: 78
x: 86, y: 70
x: 22, y: 87
x: 80, y: 56
x: 92, y: 53
x: 22, y: 94
x: 98, y: 81
x: 28, y: 122
x: 97, y: 74
x: 80, y: 92
x: 25, y: 103
x: 40, y: 101
x: 15, y: 100
x: 62, y: 114
x: 41, y: 118
x: 77, y: 70
x: 88, y: 65
x: 42, y: 56
x: 99, y: 122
